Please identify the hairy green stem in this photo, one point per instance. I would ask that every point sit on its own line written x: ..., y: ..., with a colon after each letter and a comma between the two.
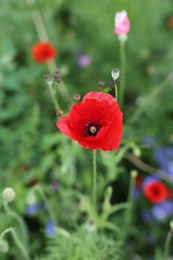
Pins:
x: 167, y: 245
x: 54, y: 99
x: 116, y: 91
x: 94, y: 191
x: 123, y: 74
x: 14, y: 215
x: 17, y: 241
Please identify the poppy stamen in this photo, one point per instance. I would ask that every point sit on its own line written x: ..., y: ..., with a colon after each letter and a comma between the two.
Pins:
x: 92, y: 128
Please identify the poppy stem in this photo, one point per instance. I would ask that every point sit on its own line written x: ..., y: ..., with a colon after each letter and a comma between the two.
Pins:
x: 123, y: 71
x: 116, y: 91
x: 17, y: 241
x: 167, y: 242
x: 94, y: 191
x: 22, y: 224
x: 128, y: 212
x: 54, y: 99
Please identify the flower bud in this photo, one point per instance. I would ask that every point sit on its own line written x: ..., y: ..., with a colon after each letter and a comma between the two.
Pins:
x: 48, y: 79
x: 115, y: 73
x: 77, y: 97
x: 59, y: 112
x: 171, y: 224
x: 134, y: 174
x: 8, y: 195
x: 4, y: 247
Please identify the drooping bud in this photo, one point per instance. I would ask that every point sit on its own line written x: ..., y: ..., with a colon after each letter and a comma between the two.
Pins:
x: 59, y: 112
x: 48, y: 79
x: 8, y: 195
x: 77, y: 97
x: 115, y: 73
x: 134, y: 174
x: 57, y: 76
x: 4, y: 247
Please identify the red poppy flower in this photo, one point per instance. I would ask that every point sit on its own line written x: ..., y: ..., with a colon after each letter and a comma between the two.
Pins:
x: 170, y: 22
x: 155, y: 191
x: 95, y: 123
x: 43, y: 52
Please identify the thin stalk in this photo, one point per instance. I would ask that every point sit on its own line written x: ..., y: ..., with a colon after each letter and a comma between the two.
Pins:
x: 47, y: 203
x: 54, y: 99
x: 94, y: 191
x: 123, y: 72
x: 167, y: 245
x: 116, y: 90
x: 17, y: 241
x: 128, y: 212
x: 14, y: 215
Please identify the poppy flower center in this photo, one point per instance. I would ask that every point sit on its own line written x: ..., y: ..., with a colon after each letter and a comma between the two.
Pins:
x: 91, y: 128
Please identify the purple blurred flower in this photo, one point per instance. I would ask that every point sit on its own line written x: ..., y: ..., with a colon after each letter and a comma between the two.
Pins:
x: 84, y: 60
x: 50, y: 228
x: 162, y: 210
x: 32, y: 209
x: 146, y: 216
x: 164, y: 156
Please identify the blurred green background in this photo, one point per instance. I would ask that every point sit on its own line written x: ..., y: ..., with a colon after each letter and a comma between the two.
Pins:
x: 31, y: 149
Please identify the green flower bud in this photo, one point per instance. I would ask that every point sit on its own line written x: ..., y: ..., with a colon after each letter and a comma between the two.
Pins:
x: 8, y: 195
x: 115, y: 73
x: 4, y: 247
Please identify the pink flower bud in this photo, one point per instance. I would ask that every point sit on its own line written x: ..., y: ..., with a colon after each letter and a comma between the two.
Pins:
x: 122, y: 23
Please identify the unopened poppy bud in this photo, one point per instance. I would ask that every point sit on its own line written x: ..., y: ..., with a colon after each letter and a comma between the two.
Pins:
x: 57, y: 76
x: 8, y: 195
x: 171, y: 224
x: 4, y: 247
x: 77, y: 97
x: 115, y: 73
x: 59, y: 112
x: 134, y: 174
x: 48, y: 79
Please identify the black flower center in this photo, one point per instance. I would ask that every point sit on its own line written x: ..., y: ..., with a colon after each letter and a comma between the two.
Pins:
x: 91, y: 128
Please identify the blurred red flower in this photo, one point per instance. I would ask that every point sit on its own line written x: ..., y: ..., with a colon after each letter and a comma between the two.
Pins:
x: 43, y: 52
x: 94, y: 123
x: 155, y: 191
x: 170, y: 22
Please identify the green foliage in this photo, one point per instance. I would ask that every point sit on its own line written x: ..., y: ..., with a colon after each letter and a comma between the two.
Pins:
x: 33, y: 152
x: 83, y: 245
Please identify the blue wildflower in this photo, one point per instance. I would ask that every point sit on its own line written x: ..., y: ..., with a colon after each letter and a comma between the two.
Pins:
x: 50, y: 228
x: 32, y: 209
x: 162, y: 210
